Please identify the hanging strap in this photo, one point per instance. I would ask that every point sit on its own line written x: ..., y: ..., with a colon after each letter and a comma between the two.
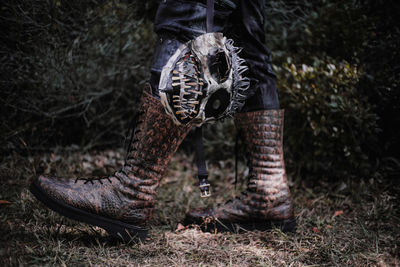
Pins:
x: 201, y: 163
x: 236, y: 155
x: 210, y: 15
x: 199, y: 146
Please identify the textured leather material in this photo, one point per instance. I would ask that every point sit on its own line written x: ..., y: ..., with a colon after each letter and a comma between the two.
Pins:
x: 268, y: 194
x: 267, y: 197
x: 130, y: 194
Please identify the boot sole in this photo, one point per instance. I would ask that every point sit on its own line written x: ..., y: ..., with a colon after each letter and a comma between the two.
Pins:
x: 114, y: 228
x: 213, y: 225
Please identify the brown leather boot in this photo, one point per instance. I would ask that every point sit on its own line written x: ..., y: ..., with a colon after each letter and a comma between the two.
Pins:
x: 123, y: 203
x: 266, y: 202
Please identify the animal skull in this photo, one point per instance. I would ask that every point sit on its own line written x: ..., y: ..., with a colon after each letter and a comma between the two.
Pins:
x: 202, y: 81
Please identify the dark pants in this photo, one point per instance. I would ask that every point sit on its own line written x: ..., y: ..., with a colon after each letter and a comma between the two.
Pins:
x: 178, y: 21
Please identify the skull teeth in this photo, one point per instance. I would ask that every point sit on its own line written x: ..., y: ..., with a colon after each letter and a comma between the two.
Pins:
x: 196, y: 92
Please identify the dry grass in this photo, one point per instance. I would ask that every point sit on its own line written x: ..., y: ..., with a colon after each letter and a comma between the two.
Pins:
x: 350, y: 222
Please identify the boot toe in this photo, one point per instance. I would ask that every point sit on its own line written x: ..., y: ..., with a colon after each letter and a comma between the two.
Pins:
x: 62, y: 189
x: 54, y: 187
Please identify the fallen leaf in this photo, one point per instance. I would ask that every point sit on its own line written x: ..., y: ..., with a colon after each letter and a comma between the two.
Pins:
x: 180, y: 227
x: 338, y: 213
x: 316, y: 230
x: 329, y: 226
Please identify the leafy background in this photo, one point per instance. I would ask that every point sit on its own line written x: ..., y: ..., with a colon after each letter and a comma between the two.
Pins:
x: 72, y: 72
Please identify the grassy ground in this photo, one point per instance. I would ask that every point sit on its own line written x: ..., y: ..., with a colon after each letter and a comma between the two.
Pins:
x: 350, y: 222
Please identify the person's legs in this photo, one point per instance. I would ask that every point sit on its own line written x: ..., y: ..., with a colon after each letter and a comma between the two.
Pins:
x: 266, y: 202
x: 246, y: 26
x: 122, y: 203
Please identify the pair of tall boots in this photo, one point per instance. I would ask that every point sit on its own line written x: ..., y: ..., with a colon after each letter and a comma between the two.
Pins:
x: 123, y: 203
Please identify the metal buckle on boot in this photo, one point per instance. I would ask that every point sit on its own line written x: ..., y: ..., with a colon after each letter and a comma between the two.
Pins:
x: 204, y: 187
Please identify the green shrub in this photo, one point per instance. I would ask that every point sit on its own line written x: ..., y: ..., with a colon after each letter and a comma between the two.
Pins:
x: 330, y: 125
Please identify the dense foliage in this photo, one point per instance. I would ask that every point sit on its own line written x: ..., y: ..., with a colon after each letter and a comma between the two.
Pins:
x: 72, y: 71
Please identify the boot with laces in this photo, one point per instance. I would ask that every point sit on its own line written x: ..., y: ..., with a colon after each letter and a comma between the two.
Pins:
x: 122, y: 203
x: 266, y: 202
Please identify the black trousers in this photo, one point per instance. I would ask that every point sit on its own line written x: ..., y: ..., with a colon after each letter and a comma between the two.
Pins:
x: 178, y: 21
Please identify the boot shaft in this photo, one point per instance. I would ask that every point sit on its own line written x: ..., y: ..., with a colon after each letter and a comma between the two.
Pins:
x: 156, y: 138
x: 268, y: 192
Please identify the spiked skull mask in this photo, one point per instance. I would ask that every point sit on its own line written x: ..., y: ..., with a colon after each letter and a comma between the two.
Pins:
x: 202, y: 81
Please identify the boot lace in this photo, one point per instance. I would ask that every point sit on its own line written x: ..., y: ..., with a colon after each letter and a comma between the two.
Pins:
x: 133, y: 139
x: 133, y: 136
x: 98, y: 179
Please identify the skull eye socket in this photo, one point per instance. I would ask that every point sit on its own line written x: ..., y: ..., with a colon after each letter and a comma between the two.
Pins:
x: 217, y: 104
x: 218, y: 64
